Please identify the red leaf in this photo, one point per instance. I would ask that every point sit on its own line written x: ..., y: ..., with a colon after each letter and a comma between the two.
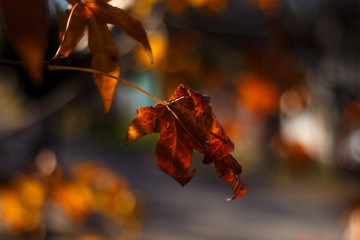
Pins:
x: 229, y: 170
x: 174, y: 148
x: 219, y: 143
x: 188, y: 122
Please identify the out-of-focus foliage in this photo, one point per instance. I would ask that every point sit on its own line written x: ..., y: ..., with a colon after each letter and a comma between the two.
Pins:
x: 28, y: 201
x: 21, y: 204
x: 178, y: 7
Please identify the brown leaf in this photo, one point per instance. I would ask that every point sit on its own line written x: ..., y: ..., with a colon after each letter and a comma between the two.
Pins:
x: 119, y: 17
x: 174, y: 148
x: 26, y: 24
x: 229, y: 169
x: 186, y: 123
x: 105, y: 58
x: 75, y: 32
x: 219, y: 143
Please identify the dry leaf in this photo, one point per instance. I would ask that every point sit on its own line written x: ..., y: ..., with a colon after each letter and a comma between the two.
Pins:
x: 186, y: 123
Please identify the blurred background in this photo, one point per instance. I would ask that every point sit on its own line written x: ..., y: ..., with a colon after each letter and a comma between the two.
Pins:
x: 283, y: 76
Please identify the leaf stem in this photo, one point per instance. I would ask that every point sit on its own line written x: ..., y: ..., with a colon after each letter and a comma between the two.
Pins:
x: 89, y: 70
x: 57, y: 54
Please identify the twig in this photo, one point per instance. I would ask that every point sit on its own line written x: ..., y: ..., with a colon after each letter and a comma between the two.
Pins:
x: 89, y: 70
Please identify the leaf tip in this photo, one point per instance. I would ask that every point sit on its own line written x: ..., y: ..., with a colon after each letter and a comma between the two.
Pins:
x: 149, y: 52
x: 239, y: 190
x: 183, y: 180
x: 129, y: 138
x: 106, y: 87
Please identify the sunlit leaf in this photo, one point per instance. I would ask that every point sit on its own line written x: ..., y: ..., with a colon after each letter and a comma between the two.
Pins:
x: 144, y: 123
x: 105, y: 58
x: 121, y: 18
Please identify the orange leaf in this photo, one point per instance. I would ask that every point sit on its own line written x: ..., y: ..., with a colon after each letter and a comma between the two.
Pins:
x: 116, y: 16
x: 143, y: 124
x: 186, y: 123
x: 75, y: 31
x: 105, y: 58
x: 26, y: 23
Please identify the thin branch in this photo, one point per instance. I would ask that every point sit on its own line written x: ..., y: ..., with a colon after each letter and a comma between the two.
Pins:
x: 11, y: 62
x: 89, y: 70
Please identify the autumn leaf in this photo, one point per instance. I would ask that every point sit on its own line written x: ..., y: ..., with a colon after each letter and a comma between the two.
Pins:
x: 26, y: 25
x: 95, y: 15
x: 188, y: 122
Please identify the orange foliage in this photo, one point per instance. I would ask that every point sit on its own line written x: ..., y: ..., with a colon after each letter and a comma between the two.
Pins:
x: 74, y: 197
x: 268, y: 7
x: 93, y: 188
x: 177, y: 7
x: 143, y: 8
x: 257, y: 94
x: 21, y: 204
x: 159, y: 48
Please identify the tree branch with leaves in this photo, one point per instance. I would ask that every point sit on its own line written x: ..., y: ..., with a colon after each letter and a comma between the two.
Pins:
x: 185, y: 122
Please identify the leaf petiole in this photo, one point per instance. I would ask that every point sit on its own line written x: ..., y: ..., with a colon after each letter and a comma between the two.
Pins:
x: 57, y: 54
x: 89, y: 70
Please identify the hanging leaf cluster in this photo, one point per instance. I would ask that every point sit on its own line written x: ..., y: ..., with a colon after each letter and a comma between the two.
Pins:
x: 185, y: 123
x: 188, y: 122
x: 95, y: 15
